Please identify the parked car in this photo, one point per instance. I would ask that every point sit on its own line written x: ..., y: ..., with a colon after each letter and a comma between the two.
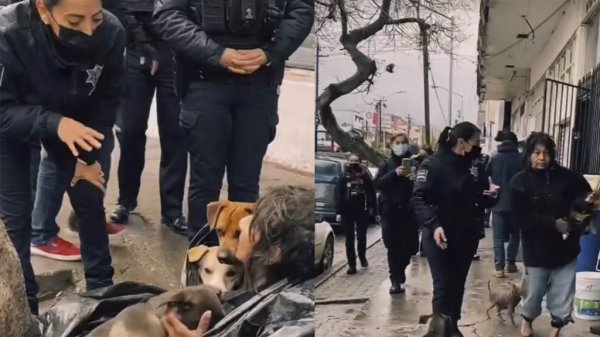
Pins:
x: 324, y: 245
x: 327, y: 172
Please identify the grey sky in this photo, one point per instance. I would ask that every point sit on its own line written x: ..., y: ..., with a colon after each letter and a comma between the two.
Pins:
x: 408, y: 76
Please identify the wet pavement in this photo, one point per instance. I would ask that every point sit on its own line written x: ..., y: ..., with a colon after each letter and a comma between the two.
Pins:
x: 147, y: 251
x: 385, y: 315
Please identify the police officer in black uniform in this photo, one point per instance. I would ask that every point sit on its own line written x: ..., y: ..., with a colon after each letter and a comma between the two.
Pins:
x: 355, y: 202
x: 150, y: 69
x: 448, y: 198
x: 231, y: 57
x: 61, y: 72
x: 399, y: 229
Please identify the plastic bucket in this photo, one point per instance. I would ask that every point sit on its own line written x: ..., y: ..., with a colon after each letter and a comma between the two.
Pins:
x: 587, y: 296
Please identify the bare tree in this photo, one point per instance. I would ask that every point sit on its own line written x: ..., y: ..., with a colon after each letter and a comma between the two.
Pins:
x: 375, y: 25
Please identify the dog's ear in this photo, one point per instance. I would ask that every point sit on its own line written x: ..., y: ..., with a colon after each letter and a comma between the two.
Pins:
x: 250, y: 209
x: 213, y: 211
x: 196, y: 253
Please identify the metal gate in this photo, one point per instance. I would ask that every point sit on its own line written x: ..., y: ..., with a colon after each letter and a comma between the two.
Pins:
x: 585, y: 157
x: 563, y: 104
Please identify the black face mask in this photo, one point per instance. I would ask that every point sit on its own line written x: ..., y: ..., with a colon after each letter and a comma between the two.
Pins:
x: 474, y: 153
x: 76, y: 41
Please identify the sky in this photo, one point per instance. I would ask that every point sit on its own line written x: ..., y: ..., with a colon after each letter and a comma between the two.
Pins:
x: 408, y: 77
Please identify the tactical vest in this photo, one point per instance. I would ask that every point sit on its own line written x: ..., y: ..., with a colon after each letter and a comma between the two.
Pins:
x: 238, y: 24
x: 144, y: 6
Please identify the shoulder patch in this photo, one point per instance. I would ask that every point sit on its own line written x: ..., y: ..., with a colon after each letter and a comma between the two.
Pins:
x: 421, y: 176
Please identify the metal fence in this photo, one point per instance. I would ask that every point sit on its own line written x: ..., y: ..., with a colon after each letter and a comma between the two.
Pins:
x: 561, y: 106
x: 585, y: 157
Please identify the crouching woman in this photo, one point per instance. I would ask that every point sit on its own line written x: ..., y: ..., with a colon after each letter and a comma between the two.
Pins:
x: 542, y: 195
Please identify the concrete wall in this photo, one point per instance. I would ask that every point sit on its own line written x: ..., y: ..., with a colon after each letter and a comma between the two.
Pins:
x: 295, y: 141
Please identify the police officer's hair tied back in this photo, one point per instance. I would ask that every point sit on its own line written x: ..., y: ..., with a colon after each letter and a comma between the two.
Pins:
x: 450, y: 135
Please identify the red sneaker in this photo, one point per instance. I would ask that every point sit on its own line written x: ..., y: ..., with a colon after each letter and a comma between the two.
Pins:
x: 113, y: 229
x: 58, y: 249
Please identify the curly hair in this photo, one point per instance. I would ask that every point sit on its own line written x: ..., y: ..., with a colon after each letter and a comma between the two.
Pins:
x: 535, y: 139
x: 284, y: 223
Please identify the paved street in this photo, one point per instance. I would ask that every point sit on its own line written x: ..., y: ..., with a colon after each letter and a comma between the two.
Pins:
x: 360, y: 305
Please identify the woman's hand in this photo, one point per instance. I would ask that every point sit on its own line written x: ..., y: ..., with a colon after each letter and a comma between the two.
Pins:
x: 492, y: 192
x: 72, y: 133
x: 440, y: 238
x: 176, y: 329
x: 90, y: 173
x: 402, y: 171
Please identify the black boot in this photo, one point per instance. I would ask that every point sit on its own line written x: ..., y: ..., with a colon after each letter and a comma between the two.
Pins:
x: 396, y: 288
x: 363, y: 262
x: 351, y: 270
x: 455, y: 331
x: 595, y: 329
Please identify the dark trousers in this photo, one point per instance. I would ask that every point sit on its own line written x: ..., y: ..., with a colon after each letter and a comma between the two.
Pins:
x: 229, y: 126
x: 16, y: 207
x: 132, y: 123
x: 400, y: 237
x: 355, y: 221
x: 449, y: 269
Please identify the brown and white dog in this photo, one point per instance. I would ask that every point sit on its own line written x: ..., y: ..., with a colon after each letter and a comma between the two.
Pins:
x: 224, y: 217
x: 504, y: 300
x: 213, y: 273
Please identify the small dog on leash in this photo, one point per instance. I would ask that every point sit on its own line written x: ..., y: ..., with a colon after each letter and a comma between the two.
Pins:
x: 144, y: 319
x: 439, y: 325
x: 507, y: 299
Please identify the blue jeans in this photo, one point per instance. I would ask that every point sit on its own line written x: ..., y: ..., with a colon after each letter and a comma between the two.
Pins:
x: 505, y: 230
x: 48, y: 198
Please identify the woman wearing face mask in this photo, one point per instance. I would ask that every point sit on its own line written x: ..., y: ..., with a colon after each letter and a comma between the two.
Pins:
x: 61, y: 71
x: 355, y: 201
x: 399, y: 230
x: 448, y: 197
x: 542, y: 195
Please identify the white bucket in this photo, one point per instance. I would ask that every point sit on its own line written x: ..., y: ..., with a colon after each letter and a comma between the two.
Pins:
x: 587, y: 296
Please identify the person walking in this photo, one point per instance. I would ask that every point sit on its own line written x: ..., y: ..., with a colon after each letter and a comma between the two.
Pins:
x: 542, y: 195
x: 448, y: 198
x: 230, y: 71
x: 399, y: 229
x: 355, y: 198
x: 502, y: 168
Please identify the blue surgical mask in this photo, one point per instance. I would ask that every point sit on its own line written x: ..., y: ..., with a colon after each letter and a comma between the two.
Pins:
x: 400, y: 149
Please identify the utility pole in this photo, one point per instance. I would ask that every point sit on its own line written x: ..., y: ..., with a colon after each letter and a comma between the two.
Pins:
x: 317, y: 114
x: 379, y: 128
x: 409, y: 119
x: 424, y: 42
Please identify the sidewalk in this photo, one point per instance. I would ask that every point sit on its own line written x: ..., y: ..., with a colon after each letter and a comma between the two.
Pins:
x: 385, y: 315
x: 146, y: 252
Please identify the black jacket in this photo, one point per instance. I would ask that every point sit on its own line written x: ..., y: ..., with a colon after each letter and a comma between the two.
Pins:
x: 395, y: 191
x: 539, y: 198
x: 173, y: 23
x: 361, y: 181
x: 502, y: 168
x: 448, y: 192
x: 38, y: 87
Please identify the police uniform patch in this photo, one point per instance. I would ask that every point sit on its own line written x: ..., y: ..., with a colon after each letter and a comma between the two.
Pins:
x: 93, y: 77
x: 1, y: 74
x: 421, y: 176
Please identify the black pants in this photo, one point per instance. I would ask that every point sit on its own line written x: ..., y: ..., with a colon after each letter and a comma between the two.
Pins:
x: 132, y: 124
x: 15, y: 211
x: 356, y: 220
x: 449, y: 270
x: 401, y: 238
x: 229, y: 126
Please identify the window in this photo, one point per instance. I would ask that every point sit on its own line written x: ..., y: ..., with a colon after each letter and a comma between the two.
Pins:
x: 560, y: 69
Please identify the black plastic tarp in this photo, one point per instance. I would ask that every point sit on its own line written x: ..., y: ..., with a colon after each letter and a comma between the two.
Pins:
x: 284, y: 309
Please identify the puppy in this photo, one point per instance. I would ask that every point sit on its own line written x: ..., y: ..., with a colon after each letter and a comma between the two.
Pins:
x: 504, y: 300
x: 581, y: 214
x: 439, y: 325
x: 144, y: 319
x: 224, y: 217
x: 212, y: 273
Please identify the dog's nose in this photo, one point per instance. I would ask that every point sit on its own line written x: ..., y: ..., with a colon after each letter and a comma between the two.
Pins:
x: 223, y: 256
